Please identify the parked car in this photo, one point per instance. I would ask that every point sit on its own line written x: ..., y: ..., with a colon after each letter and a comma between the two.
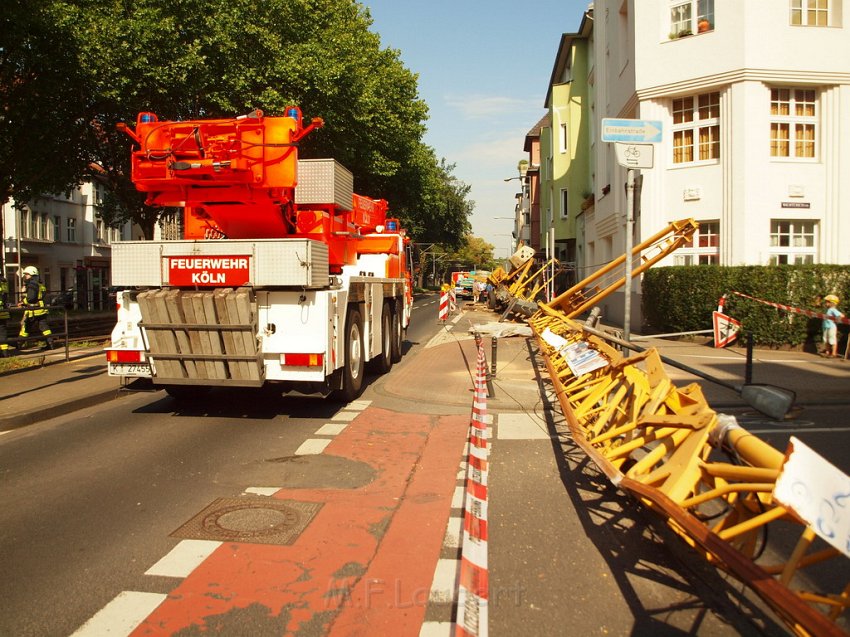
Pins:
x: 64, y: 299
x: 463, y: 289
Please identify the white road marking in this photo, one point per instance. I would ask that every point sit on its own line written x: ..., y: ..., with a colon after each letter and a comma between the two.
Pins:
x: 122, y: 615
x: 267, y: 491
x: 457, y: 497
x: 345, y: 416
x: 312, y: 447
x: 437, y: 629
x: 331, y: 429
x: 454, y: 533
x: 183, y: 558
x: 445, y: 581
x: 358, y: 405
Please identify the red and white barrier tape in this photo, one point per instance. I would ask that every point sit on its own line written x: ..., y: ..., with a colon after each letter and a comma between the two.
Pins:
x: 786, y: 308
x: 473, y: 591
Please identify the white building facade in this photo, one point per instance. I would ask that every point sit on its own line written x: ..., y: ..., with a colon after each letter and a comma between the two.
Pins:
x: 754, y: 100
x: 62, y: 236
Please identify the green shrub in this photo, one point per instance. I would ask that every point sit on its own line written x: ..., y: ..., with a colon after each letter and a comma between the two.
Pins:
x: 682, y: 298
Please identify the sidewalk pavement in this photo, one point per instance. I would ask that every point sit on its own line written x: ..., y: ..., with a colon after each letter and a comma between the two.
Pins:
x: 55, y: 387
x: 60, y: 387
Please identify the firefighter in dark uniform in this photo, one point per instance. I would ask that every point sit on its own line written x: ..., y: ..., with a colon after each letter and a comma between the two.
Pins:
x: 35, y: 313
x: 4, y: 317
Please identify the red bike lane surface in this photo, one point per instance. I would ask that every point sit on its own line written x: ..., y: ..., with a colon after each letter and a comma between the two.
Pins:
x: 365, y: 563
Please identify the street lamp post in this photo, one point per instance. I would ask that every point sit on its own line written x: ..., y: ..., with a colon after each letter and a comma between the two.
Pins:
x: 522, y: 205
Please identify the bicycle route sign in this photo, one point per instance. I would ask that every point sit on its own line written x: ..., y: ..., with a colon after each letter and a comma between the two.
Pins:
x: 635, y: 155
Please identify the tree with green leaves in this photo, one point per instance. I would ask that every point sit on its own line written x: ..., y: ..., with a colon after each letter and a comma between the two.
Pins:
x: 103, y: 61
x: 473, y: 253
x: 43, y: 127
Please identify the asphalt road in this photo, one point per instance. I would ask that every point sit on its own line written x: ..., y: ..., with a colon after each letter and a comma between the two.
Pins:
x: 90, y: 501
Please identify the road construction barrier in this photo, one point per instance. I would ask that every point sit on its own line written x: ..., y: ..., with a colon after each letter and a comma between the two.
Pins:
x: 444, y: 304
x: 452, y: 300
x: 785, y: 308
x: 661, y: 444
x: 473, y: 588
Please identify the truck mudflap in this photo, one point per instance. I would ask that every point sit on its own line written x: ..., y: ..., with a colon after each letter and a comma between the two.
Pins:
x: 202, y: 338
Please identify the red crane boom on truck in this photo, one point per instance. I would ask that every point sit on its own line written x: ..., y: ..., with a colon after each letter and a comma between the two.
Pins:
x: 283, y: 276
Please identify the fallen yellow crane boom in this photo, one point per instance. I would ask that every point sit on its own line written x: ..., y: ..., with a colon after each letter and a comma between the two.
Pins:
x: 656, y: 441
x: 587, y: 293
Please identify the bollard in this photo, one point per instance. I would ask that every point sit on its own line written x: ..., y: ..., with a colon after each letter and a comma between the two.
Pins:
x: 748, y: 370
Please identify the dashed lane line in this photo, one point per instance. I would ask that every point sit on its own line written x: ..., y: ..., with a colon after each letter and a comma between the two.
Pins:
x: 122, y: 615
x: 183, y: 558
x: 331, y: 429
x: 315, y: 446
x: 312, y: 446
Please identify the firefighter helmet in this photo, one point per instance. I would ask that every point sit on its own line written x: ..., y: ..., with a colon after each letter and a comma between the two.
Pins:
x: 31, y: 270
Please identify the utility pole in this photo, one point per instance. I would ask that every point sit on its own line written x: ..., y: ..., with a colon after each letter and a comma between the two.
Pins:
x: 630, y: 223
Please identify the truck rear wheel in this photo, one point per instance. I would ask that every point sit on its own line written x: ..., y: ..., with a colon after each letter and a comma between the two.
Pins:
x: 352, y: 370
x: 397, y: 331
x: 383, y: 362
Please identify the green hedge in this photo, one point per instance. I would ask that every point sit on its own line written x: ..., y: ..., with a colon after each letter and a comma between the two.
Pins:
x: 682, y: 298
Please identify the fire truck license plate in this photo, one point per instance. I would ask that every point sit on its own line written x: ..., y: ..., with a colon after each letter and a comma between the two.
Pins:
x: 129, y: 369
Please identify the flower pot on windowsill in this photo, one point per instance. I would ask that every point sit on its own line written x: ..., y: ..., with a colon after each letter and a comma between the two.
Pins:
x: 703, y: 26
x: 680, y: 34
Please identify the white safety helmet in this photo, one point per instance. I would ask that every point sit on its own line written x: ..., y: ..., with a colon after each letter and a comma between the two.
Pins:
x: 31, y: 270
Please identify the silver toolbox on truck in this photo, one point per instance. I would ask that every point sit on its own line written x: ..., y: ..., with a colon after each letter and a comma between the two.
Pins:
x: 324, y: 181
x: 221, y: 263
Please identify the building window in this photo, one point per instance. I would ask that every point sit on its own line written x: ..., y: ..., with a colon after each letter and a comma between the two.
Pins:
x: 57, y: 228
x: 793, y: 123
x: 792, y: 241
x: 696, y: 128
x: 565, y: 201
x: 99, y: 231
x: 564, y: 138
x: 812, y: 13
x: 42, y: 232
x: 71, y: 230
x: 691, y: 16
x: 704, y: 246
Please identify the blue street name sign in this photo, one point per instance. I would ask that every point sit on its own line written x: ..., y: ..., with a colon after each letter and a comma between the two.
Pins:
x: 644, y: 131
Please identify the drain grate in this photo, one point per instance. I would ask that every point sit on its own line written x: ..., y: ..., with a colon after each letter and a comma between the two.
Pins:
x: 254, y: 520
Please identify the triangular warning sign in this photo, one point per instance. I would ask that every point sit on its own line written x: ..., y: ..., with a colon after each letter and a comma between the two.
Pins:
x: 725, y: 329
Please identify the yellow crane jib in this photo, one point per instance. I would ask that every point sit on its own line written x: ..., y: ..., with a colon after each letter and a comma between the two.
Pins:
x: 664, y: 445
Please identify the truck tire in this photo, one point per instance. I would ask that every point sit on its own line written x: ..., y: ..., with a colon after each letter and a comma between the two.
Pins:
x: 383, y: 362
x: 186, y: 393
x: 397, y: 332
x: 354, y: 365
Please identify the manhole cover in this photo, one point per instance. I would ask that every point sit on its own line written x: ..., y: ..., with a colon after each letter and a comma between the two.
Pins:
x: 254, y: 520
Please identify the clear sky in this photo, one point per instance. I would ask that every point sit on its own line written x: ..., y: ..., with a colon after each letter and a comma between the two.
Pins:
x: 484, y: 69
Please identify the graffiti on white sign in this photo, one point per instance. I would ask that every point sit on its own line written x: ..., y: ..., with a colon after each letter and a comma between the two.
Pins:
x: 816, y: 491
